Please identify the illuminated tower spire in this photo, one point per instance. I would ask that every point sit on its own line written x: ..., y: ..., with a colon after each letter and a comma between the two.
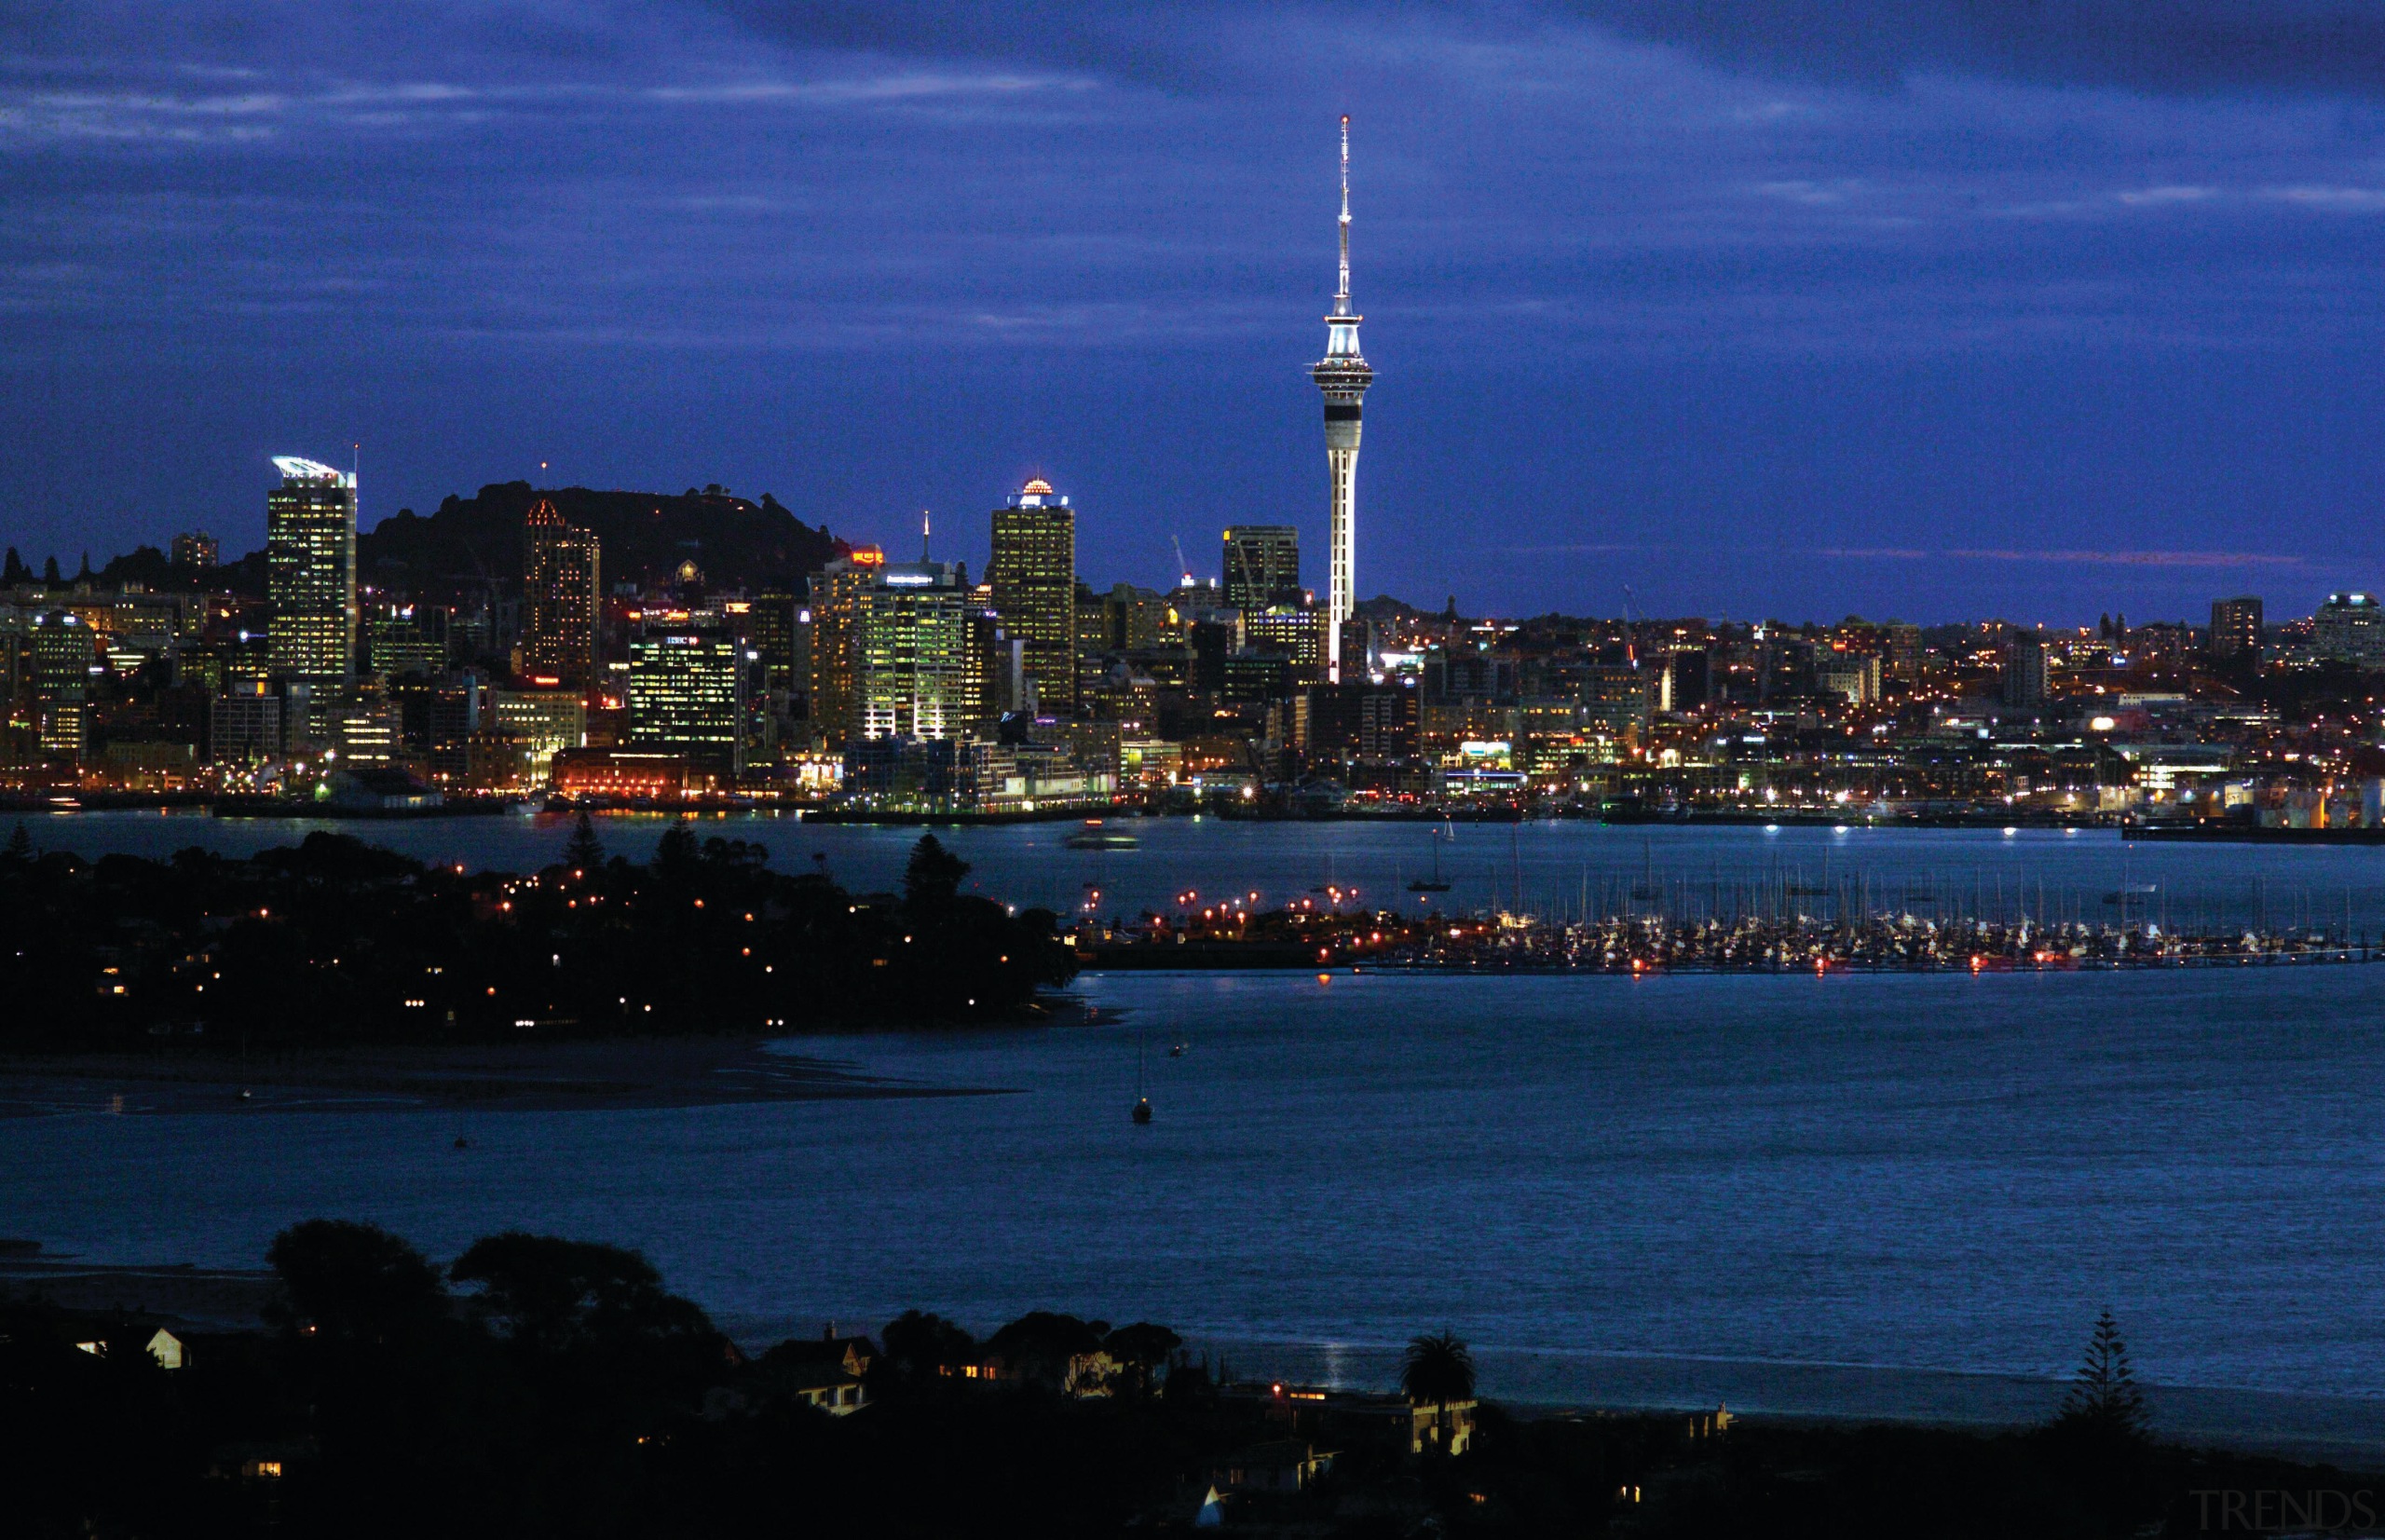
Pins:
x: 1342, y: 377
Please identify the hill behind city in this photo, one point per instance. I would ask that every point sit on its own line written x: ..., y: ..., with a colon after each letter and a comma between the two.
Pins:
x: 735, y: 541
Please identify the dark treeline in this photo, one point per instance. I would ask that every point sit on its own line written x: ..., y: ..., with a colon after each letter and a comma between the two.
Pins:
x: 539, y: 1387
x: 337, y: 942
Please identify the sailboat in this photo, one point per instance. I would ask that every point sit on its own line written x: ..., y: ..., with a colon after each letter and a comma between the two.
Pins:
x: 1645, y: 890
x: 1435, y: 885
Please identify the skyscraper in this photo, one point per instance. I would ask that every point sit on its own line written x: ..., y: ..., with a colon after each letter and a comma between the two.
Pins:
x: 836, y: 623
x: 560, y: 582
x: 917, y: 672
x: 310, y: 571
x: 66, y: 652
x: 687, y: 692
x: 1342, y: 377
x: 1262, y: 565
x: 1034, y: 577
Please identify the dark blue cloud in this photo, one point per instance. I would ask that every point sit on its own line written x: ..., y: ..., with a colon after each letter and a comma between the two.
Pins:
x: 1686, y: 297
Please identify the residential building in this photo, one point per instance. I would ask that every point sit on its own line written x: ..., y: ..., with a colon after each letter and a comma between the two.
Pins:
x: 2236, y: 630
x: 562, y: 583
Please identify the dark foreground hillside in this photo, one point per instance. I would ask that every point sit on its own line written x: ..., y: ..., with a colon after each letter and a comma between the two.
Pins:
x: 542, y: 1387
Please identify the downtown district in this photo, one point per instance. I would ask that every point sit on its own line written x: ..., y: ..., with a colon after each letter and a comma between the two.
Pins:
x: 876, y: 686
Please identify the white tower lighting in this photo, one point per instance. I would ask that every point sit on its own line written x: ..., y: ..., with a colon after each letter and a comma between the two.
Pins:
x: 1342, y: 377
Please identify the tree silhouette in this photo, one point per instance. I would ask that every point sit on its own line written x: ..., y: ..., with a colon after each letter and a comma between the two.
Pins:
x: 1438, y: 1368
x: 677, y: 852
x: 19, y: 851
x: 932, y: 880
x: 2103, y: 1397
x: 350, y: 1282
x: 583, y: 851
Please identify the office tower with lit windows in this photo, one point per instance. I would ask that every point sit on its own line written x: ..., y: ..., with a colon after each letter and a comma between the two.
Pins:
x: 65, y: 654
x: 918, y: 660
x: 2236, y: 629
x: 1341, y: 377
x: 687, y: 694
x: 562, y: 584
x: 2350, y: 627
x: 1033, y: 575
x: 310, y: 571
x: 1262, y: 565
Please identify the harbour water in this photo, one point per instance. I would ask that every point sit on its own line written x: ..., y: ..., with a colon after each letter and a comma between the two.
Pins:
x: 1557, y: 869
x: 1853, y: 1195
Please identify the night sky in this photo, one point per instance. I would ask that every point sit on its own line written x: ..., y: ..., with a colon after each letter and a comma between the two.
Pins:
x: 1780, y: 308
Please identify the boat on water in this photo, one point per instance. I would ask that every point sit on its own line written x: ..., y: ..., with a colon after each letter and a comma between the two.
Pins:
x: 1143, y: 1112
x: 1434, y: 884
x: 1096, y: 835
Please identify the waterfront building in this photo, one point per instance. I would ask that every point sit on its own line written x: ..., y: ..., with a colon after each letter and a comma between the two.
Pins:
x: 542, y: 721
x: 196, y: 551
x: 917, y: 669
x: 562, y: 579
x: 1262, y: 565
x: 687, y: 694
x: 1341, y: 377
x: 1033, y: 575
x: 310, y: 571
x: 244, y: 724
x: 2350, y: 627
x: 2236, y: 629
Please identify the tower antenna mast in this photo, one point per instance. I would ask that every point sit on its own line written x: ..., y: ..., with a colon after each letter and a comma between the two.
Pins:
x: 1341, y: 294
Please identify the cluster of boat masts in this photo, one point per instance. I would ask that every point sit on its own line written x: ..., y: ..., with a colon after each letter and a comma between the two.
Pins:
x: 1877, y: 942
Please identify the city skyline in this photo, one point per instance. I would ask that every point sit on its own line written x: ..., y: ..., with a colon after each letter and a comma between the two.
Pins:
x: 2089, y: 311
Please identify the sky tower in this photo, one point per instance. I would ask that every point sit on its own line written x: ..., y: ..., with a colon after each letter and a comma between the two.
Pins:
x: 1342, y: 377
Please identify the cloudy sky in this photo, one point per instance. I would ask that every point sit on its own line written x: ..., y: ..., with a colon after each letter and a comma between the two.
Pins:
x: 1916, y: 307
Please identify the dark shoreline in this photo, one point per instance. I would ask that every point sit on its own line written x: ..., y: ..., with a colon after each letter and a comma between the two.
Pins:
x: 606, y: 1074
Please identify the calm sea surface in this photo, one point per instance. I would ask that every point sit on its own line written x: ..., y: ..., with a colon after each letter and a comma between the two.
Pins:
x: 1850, y: 1194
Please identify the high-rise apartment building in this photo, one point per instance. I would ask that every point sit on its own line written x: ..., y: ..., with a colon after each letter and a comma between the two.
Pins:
x: 2236, y: 629
x: 686, y: 693
x: 1262, y: 565
x: 917, y: 665
x: 834, y: 608
x: 562, y: 584
x: 310, y: 571
x: 2024, y: 673
x: 1033, y: 575
x: 196, y: 551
